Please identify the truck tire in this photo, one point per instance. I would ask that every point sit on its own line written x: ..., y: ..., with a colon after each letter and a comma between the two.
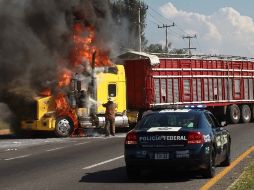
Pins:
x: 233, y: 114
x: 64, y: 127
x: 245, y: 114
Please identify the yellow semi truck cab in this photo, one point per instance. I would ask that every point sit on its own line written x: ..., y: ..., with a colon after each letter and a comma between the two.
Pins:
x: 111, y: 83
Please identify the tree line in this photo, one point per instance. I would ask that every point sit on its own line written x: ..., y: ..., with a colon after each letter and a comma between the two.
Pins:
x: 126, y: 14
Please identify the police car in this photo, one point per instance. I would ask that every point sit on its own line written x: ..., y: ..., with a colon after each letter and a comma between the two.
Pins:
x: 189, y: 138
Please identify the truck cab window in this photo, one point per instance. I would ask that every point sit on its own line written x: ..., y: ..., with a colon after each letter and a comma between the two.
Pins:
x: 112, y: 90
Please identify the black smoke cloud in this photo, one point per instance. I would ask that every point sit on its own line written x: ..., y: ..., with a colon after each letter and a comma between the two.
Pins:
x: 35, y: 42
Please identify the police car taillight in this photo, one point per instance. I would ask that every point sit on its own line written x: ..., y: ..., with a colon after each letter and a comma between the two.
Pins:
x: 131, y: 138
x: 195, y: 137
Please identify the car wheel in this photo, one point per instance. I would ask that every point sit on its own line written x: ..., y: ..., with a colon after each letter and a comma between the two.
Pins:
x: 227, y: 160
x: 245, y: 114
x: 132, y: 172
x: 64, y: 127
x: 234, y: 114
x: 210, y: 171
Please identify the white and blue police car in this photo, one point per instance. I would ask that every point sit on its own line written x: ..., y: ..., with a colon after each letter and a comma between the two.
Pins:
x: 190, y: 137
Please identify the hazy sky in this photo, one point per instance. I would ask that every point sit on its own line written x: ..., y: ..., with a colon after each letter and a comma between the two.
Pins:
x: 222, y: 26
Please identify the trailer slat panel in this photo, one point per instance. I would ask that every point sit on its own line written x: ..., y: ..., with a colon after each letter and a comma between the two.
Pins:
x: 183, y: 80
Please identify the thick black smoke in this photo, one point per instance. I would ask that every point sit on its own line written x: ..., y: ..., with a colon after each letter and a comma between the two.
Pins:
x: 35, y: 41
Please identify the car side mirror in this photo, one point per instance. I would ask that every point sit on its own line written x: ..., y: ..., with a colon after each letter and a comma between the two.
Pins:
x: 223, y: 123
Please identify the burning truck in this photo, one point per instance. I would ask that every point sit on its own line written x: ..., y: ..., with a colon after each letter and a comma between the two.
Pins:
x: 81, y: 107
x: 86, y: 80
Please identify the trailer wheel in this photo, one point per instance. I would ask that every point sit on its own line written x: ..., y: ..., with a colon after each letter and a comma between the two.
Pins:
x: 64, y: 127
x: 245, y: 114
x: 234, y: 114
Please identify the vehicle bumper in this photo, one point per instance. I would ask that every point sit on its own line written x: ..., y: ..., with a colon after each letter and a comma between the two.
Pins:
x: 47, y: 124
x: 193, y: 159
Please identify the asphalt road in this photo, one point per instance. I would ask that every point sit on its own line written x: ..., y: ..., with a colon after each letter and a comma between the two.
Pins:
x: 97, y: 163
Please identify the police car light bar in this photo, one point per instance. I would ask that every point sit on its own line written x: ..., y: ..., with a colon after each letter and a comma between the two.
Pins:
x: 200, y: 106
x: 171, y: 106
x: 174, y: 106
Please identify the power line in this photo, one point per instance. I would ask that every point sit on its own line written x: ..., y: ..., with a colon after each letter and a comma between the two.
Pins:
x: 155, y: 18
x: 165, y: 18
x: 199, y: 45
x: 166, y: 26
x: 176, y: 34
x: 153, y: 22
x: 189, y: 38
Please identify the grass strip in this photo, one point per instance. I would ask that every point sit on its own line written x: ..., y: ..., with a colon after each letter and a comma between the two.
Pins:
x: 246, y: 180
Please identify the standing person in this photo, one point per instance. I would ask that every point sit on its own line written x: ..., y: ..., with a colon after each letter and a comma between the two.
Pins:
x: 110, y: 117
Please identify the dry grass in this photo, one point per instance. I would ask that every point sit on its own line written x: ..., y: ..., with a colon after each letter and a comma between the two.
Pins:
x: 246, y: 180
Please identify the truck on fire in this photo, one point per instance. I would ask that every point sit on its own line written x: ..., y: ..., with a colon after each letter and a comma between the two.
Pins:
x: 83, y: 108
x: 224, y: 84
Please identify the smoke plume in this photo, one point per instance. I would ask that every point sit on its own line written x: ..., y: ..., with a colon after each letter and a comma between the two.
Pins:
x: 36, y: 41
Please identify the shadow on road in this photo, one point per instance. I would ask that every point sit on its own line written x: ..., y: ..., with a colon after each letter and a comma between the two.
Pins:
x: 118, y: 175
x: 7, y: 137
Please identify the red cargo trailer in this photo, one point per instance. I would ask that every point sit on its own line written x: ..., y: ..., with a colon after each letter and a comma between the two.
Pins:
x: 223, y: 83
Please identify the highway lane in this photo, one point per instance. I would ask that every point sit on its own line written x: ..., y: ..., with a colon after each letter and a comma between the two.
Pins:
x: 94, y: 163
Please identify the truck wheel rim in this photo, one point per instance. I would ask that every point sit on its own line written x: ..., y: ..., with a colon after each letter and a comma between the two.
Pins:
x: 236, y: 114
x: 63, y: 126
x: 246, y: 114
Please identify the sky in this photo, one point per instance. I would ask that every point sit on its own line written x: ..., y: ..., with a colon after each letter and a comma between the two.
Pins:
x: 222, y: 27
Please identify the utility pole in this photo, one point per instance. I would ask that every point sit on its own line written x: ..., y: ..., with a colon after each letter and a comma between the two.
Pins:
x: 189, y: 38
x: 166, y: 26
x: 139, y: 26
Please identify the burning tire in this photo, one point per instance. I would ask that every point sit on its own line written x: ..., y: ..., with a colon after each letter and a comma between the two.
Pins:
x: 245, y: 114
x: 64, y: 127
x: 233, y: 114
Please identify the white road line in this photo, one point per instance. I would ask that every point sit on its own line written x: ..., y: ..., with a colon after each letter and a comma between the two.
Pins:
x: 24, y: 156
x: 81, y: 143
x: 55, y: 149
x: 101, y: 163
x: 11, y: 149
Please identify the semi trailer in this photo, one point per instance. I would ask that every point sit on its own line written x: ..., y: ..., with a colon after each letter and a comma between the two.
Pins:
x: 224, y: 84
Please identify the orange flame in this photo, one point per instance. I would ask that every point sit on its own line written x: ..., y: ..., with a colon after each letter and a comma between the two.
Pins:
x: 84, y: 47
x: 63, y: 108
x: 45, y: 92
x: 61, y: 102
x: 64, y: 78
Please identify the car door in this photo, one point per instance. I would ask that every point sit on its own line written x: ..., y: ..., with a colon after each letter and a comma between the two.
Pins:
x: 223, y: 139
x: 217, y: 135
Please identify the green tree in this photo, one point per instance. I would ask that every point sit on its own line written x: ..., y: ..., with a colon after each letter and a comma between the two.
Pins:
x: 126, y: 15
x: 178, y: 51
x: 156, y: 48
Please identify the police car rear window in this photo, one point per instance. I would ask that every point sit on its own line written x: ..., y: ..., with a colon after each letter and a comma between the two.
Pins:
x: 169, y: 119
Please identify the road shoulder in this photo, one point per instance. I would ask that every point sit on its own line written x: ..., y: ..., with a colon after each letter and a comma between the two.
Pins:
x: 234, y: 174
